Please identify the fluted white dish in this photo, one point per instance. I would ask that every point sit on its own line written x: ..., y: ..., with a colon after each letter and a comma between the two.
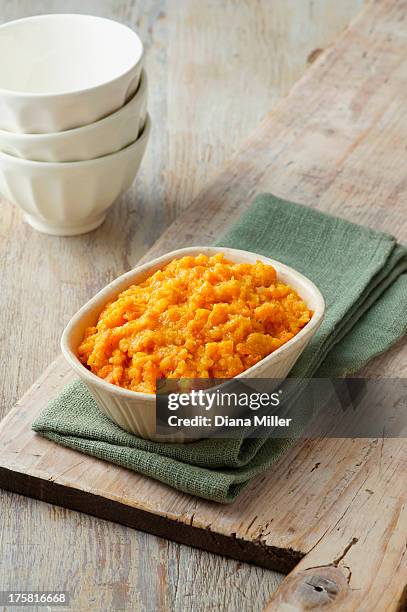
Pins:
x: 102, y: 137
x: 134, y: 411
x: 62, y: 71
x: 66, y: 199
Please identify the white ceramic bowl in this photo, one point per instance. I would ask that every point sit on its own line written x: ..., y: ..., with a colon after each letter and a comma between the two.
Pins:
x: 71, y: 198
x: 135, y: 411
x: 62, y: 71
x: 103, y: 137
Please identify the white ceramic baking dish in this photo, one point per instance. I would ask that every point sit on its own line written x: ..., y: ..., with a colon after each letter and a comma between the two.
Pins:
x: 135, y: 411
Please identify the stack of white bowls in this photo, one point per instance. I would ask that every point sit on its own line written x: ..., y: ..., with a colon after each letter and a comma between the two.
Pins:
x: 73, y: 118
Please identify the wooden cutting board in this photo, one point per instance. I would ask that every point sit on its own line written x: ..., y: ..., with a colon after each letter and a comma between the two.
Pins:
x: 332, y: 512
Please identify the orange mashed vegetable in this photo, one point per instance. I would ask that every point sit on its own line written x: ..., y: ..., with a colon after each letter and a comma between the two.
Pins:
x: 198, y: 317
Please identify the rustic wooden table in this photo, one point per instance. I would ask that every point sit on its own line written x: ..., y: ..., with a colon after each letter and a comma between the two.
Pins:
x: 215, y: 69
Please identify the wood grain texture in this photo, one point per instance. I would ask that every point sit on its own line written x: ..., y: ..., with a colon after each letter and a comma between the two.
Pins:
x: 215, y: 70
x: 310, y: 472
x: 327, y: 501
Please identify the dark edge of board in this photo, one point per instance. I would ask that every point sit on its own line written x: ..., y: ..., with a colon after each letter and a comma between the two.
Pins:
x: 256, y: 552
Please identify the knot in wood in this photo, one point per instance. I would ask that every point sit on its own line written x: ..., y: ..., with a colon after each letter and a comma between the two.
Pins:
x: 314, y: 588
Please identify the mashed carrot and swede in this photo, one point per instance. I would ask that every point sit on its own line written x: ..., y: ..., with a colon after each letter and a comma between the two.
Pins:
x: 198, y: 317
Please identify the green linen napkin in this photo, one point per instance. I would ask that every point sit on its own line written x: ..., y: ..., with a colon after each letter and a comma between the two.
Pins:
x: 363, y: 277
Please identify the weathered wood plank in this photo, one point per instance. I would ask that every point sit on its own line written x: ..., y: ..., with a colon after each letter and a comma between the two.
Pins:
x: 320, y: 481
x: 363, y: 553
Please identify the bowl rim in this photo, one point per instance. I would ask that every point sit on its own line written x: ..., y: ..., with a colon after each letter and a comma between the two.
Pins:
x: 46, y: 95
x: 136, y: 99
x: 128, y: 277
x: 84, y: 162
